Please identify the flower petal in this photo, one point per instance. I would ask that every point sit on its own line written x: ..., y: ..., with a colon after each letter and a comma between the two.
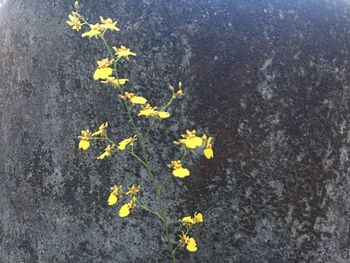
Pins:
x: 191, y: 245
x: 124, y: 211
x: 102, y: 73
x: 84, y: 144
x: 138, y: 100
x: 181, y: 172
x: 193, y: 142
x: 112, y: 199
x: 208, y: 153
x: 163, y: 114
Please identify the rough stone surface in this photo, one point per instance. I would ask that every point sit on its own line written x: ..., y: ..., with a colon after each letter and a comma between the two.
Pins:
x: 268, y: 79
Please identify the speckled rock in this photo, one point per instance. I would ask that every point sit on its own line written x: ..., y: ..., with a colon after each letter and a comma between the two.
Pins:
x: 268, y: 79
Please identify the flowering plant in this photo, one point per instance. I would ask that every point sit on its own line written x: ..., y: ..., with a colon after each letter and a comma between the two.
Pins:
x: 107, y: 72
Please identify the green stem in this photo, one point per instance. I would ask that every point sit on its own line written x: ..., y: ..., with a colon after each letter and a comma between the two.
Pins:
x: 149, y: 210
x: 184, y: 155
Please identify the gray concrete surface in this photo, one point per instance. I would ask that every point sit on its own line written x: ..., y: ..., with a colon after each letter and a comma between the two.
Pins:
x: 268, y: 79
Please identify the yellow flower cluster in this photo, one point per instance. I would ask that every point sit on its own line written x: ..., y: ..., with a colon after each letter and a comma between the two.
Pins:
x: 191, y: 141
x: 98, y: 29
x: 189, y: 242
x: 107, y: 73
x: 117, y: 192
x: 195, y: 219
x: 188, y: 222
x: 149, y: 111
x: 129, y: 96
x: 86, y: 136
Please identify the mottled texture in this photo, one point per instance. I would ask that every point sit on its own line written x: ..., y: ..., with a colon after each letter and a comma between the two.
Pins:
x: 268, y: 79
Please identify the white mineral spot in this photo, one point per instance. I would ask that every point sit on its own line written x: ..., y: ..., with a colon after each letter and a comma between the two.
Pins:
x: 2, y: 2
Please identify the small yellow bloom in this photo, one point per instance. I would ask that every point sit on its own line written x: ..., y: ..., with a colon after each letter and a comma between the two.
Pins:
x: 76, y: 4
x: 133, y: 190
x: 132, y: 98
x: 108, y: 151
x: 189, y: 242
x: 123, y: 52
x: 95, y: 31
x: 126, y: 209
x: 116, y: 192
x: 101, y: 130
x: 148, y: 111
x: 208, y: 151
x: 190, y: 140
x: 178, y: 170
x: 198, y: 217
x: 74, y: 21
x: 103, y: 71
x: 187, y: 221
x: 191, y: 245
x: 108, y: 24
x: 127, y: 142
x: 114, y: 81
x: 84, y: 140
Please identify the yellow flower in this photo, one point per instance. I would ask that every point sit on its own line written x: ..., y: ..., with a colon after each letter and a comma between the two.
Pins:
x: 123, y: 52
x: 116, y: 192
x: 74, y: 21
x: 132, y: 98
x: 190, y: 140
x: 126, y: 209
x: 114, y: 81
x: 187, y: 221
x: 127, y: 142
x: 208, y: 151
x: 178, y: 170
x: 95, y: 31
x: 189, y: 242
x: 108, y: 151
x: 133, y: 190
x: 103, y: 71
x: 108, y: 24
x: 198, y: 217
x: 148, y: 111
x: 84, y: 140
x: 101, y: 130
x: 76, y: 4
